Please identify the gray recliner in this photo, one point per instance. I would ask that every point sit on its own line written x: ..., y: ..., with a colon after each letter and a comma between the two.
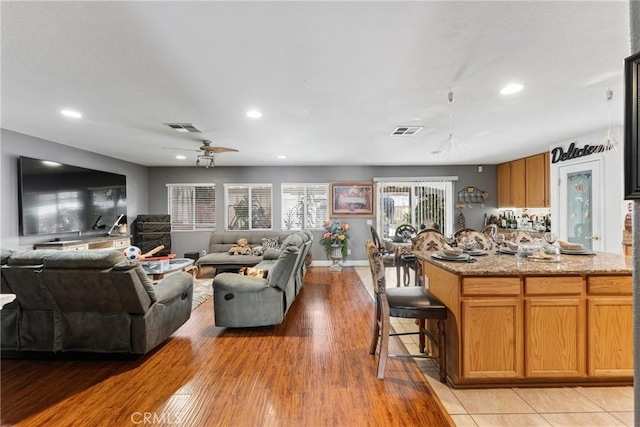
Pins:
x: 243, y: 301
x: 88, y: 301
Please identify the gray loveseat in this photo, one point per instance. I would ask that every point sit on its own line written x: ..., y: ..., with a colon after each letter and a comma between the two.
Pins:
x: 242, y: 301
x: 221, y: 241
x: 88, y: 301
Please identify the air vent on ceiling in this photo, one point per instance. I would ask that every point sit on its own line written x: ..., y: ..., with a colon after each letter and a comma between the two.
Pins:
x: 406, y: 130
x: 183, y: 127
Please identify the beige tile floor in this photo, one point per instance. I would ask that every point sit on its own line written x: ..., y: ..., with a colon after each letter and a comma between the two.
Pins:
x: 567, y: 406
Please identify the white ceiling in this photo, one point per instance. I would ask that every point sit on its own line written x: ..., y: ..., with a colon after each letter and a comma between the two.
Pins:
x: 333, y: 79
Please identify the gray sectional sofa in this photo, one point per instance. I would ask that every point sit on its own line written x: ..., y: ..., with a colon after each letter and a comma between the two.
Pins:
x: 243, y: 301
x: 221, y: 241
x: 87, y: 301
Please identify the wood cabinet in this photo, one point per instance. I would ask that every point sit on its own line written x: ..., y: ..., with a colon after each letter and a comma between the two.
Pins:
x: 536, y: 182
x: 555, y: 323
x: 524, y: 183
x: 492, y: 338
x: 516, y: 322
x: 504, y: 184
x: 547, y: 178
x: 512, y: 184
x: 492, y: 332
x: 80, y: 245
x: 610, y: 314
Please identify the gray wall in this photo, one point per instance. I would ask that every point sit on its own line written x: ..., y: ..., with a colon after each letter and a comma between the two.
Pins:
x: 635, y: 47
x: 190, y: 242
x: 14, y: 145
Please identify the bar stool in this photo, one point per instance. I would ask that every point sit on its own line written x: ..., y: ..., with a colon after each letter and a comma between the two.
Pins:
x: 413, y: 302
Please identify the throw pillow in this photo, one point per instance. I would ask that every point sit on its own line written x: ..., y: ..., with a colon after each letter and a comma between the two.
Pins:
x: 257, y: 251
x: 271, y: 242
x: 253, y: 272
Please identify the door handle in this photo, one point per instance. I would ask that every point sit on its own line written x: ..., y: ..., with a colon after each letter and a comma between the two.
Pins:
x: 594, y: 237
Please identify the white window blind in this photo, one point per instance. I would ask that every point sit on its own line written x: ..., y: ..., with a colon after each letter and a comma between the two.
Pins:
x: 248, y: 206
x: 192, y: 206
x: 423, y: 201
x: 304, y: 206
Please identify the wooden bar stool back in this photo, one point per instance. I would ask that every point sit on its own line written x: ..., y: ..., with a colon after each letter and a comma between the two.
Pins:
x: 413, y: 302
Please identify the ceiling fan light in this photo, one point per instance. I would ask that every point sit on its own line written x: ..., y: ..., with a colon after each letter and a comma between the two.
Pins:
x: 512, y: 88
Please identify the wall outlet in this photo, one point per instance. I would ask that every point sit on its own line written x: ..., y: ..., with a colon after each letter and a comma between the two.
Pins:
x: 348, y: 251
x: 203, y: 253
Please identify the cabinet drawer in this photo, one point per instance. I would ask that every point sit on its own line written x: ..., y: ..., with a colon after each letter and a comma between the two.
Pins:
x: 608, y: 285
x: 565, y: 285
x: 80, y: 247
x: 122, y: 243
x: 491, y: 286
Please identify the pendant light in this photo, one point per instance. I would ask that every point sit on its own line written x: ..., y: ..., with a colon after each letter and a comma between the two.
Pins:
x: 451, y: 145
x: 610, y: 142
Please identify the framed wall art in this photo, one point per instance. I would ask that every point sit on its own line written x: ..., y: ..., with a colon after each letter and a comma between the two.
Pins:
x: 352, y: 199
x: 631, y: 122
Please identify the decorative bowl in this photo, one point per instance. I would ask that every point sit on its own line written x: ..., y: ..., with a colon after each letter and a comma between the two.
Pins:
x: 570, y: 246
x: 537, y: 251
x: 452, y: 251
x: 511, y: 245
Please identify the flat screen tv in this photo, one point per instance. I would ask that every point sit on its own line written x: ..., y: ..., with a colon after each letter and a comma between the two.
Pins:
x: 632, y: 127
x: 57, y: 198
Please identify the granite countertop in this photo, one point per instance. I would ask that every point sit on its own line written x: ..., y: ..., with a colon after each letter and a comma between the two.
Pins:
x: 510, y: 265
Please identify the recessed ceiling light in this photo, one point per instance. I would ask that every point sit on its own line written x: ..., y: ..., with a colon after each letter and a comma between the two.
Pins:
x: 71, y: 113
x: 282, y: 157
x: 254, y: 114
x: 181, y: 157
x: 511, y: 88
x: 50, y: 163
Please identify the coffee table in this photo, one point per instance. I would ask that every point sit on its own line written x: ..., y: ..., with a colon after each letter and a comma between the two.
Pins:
x: 176, y: 265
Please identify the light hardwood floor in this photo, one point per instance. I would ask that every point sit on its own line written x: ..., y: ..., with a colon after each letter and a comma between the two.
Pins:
x: 313, y: 370
x: 568, y: 406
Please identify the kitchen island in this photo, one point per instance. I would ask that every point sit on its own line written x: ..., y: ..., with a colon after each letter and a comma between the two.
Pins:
x: 528, y: 323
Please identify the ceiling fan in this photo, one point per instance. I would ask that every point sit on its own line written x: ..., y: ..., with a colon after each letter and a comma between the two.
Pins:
x: 208, y: 153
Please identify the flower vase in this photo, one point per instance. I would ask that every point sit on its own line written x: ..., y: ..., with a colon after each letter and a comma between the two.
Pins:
x: 336, y: 256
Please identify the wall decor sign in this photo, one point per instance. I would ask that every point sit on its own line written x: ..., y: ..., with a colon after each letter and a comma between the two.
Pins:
x: 573, y: 152
x: 631, y: 122
x: 352, y: 199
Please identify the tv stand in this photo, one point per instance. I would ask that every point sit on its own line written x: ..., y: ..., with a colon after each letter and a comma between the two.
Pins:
x: 106, y: 242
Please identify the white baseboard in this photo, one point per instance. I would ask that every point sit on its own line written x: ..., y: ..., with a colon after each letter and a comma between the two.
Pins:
x: 347, y: 263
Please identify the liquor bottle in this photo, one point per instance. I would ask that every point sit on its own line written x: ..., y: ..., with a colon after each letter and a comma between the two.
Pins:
x: 628, y: 223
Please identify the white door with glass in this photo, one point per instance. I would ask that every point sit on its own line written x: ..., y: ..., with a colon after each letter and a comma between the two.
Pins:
x: 580, y: 204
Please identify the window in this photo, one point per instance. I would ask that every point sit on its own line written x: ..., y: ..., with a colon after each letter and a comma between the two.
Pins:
x: 248, y: 206
x: 192, y: 206
x: 418, y: 201
x: 304, y: 206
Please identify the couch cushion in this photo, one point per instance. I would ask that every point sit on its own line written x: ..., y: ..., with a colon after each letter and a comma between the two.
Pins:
x: 83, y: 259
x: 271, y: 242
x: 227, y: 259
x: 222, y: 241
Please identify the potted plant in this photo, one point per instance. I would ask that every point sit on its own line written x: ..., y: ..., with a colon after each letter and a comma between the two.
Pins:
x: 335, y: 235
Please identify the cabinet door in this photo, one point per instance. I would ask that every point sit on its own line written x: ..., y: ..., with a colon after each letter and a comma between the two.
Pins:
x: 518, y: 184
x: 555, y: 343
x: 535, y: 182
x: 547, y: 180
x: 504, y: 185
x: 610, y: 336
x: 492, y: 338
